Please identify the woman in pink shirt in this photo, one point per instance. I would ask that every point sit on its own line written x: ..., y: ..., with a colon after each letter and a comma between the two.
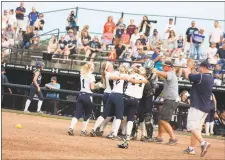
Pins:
x: 126, y: 37
x: 108, y: 31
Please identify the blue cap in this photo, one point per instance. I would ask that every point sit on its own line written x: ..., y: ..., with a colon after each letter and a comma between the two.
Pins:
x: 206, y: 64
x: 39, y: 64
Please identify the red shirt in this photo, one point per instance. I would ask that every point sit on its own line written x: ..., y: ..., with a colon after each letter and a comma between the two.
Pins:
x: 126, y: 38
x: 109, y: 27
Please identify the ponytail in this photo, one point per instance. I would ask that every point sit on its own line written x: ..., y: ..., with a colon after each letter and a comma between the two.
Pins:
x: 85, y: 69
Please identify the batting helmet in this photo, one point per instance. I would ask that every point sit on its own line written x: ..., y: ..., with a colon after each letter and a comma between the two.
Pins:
x: 39, y: 64
x: 149, y: 64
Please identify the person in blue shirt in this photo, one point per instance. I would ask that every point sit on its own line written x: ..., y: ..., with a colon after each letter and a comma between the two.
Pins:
x: 32, y: 17
x: 52, y: 96
x: 200, y: 95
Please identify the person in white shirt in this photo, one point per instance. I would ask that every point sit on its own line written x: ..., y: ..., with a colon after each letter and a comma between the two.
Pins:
x: 155, y: 40
x: 5, y: 19
x: 169, y: 27
x: 216, y: 35
x: 84, y: 102
x: 12, y: 19
x: 211, y: 51
x: 135, y: 36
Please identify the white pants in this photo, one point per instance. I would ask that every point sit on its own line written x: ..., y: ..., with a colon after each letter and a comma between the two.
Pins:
x: 20, y: 23
x: 195, y: 119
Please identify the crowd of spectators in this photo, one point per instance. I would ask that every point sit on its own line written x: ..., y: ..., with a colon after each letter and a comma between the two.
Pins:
x: 119, y: 41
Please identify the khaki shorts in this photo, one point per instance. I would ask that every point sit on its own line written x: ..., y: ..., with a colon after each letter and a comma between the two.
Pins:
x: 20, y: 23
x: 165, y: 44
x: 195, y: 119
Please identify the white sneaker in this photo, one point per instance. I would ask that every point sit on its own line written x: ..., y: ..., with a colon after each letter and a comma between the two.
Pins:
x: 26, y: 111
x: 39, y: 112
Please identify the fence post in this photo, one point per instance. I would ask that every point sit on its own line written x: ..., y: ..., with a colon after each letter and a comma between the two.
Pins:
x: 122, y: 15
x: 175, y: 20
x: 77, y: 12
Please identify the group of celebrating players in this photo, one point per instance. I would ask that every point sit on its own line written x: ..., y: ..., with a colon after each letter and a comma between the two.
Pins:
x: 128, y: 97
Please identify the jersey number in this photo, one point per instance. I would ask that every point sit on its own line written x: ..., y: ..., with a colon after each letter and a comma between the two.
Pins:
x: 117, y: 82
x: 83, y: 83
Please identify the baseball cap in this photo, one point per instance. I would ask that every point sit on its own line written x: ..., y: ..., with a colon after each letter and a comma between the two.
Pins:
x: 168, y: 63
x: 9, y: 25
x: 54, y: 78
x: 155, y: 30
x: 206, y: 65
x: 141, y: 33
x: 171, y: 19
x: 39, y: 64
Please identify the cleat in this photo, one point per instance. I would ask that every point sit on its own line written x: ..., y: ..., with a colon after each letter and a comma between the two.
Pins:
x: 83, y: 133
x: 124, y: 145
x: 100, y: 133
x: 172, y: 142
x: 144, y: 139
x: 93, y: 133
x: 110, y: 135
x: 204, y: 148
x: 40, y: 112
x: 70, y: 132
x: 189, y: 151
x: 158, y: 140
x: 26, y: 111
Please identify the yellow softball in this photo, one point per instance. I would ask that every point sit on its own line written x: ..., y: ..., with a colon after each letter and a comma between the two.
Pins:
x: 18, y: 126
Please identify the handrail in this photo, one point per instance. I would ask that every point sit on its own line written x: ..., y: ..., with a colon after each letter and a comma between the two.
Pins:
x: 50, y: 32
x: 76, y: 92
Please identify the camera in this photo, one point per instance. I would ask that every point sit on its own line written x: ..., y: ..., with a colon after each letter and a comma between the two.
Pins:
x: 151, y: 21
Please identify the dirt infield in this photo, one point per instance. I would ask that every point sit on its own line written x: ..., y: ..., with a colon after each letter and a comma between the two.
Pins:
x: 46, y: 138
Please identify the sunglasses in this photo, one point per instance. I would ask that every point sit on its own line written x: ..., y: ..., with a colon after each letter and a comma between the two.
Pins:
x: 139, y: 49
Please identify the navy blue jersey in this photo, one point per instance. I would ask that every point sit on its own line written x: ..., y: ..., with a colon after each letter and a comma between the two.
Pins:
x: 39, y: 76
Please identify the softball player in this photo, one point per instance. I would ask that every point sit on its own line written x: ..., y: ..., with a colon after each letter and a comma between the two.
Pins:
x: 115, y: 103
x: 107, y: 69
x: 84, y: 101
x: 133, y: 92
x: 35, y: 88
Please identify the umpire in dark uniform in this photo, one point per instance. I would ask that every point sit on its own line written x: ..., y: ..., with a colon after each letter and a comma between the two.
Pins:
x: 4, y: 80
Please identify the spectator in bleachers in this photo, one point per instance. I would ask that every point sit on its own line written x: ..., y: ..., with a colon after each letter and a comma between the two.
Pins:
x: 54, y: 96
x: 109, y: 28
x: 38, y: 28
x: 125, y: 37
x: 83, y: 31
x: 135, y: 49
x: 20, y: 11
x: 182, y: 112
x: 135, y: 36
x: 94, y: 47
x: 62, y: 46
x: 180, y: 47
x: 155, y: 40
x: 19, y: 36
x: 12, y: 19
x: 197, y: 40
x: 9, y: 33
x: 216, y: 35
x: 156, y: 56
x: 189, y: 33
x: 145, y: 26
x: 120, y: 50
x: 5, y: 19
x: 131, y: 27
x: 52, y: 44
x: 211, y: 51
x: 5, y: 45
x: 120, y: 27
x: 69, y: 35
x: 27, y: 38
x: 142, y: 39
x: 218, y: 73
x: 85, y: 40
x: 142, y: 57
x: 172, y: 41
x: 72, y: 46
x: 112, y: 56
x: 169, y: 27
x: 32, y: 17
x: 107, y: 38
x: 72, y: 22
x: 221, y: 55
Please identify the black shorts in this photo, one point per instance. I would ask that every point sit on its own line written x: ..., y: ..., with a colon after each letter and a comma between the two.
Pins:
x: 168, y: 109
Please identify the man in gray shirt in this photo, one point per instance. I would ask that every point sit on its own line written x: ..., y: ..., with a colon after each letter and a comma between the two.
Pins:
x: 170, y: 96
